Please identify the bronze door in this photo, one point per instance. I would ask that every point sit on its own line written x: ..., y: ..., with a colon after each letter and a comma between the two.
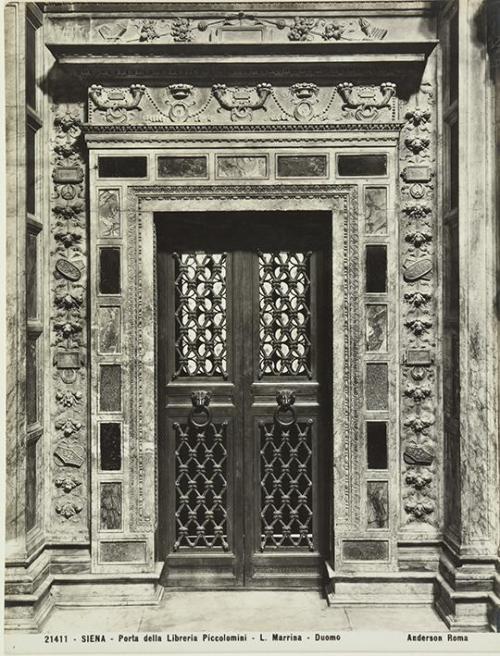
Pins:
x: 244, y: 372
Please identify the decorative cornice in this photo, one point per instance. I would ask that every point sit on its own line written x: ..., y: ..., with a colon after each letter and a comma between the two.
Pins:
x: 211, y: 191
x: 274, y: 127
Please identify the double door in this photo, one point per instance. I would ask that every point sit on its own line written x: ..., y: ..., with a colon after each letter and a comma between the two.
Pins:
x: 244, y: 371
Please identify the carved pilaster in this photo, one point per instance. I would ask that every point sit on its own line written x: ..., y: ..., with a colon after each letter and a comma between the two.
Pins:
x: 420, y: 442
x: 68, y: 331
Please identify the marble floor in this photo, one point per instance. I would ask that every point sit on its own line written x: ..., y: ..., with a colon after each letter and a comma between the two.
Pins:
x: 242, y: 611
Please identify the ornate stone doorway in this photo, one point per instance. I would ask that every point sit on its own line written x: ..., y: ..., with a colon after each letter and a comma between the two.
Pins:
x: 243, y: 381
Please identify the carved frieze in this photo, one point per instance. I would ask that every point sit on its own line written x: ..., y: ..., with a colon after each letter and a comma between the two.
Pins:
x: 302, y: 102
x: 68, y: 338
x: 235, y: 27
x: 419, y: 398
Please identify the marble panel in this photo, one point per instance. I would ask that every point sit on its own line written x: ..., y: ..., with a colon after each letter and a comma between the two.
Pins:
x: 31, y: 196
x: 376, y: 269
x: 365, y: 550
x: 111, y: 506
x: 32, y: 275
x: 302, y: 166
x: 377, y: 511
x: 376, y: 386
x: 32, y: 379
x: 237, y: 167
x: 376, y: 444
x: 31, y: 491
x: 376, y: 328
x: 123, y: 552
x: 110, y: 388
x: 182, y: 167
x: 109, y: 271
x: 123, y: 167
x: 108, y: 205
x: 110, y: 446
x: 109, y: 329
x: 361, y: 165
x: 376, y: 210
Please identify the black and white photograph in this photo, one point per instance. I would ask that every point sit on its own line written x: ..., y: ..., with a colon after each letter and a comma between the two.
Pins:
x: 251, y: 275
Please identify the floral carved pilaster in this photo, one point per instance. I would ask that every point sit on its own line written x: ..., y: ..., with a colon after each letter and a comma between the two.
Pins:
x: 418, y: 428
x: 68, y: 321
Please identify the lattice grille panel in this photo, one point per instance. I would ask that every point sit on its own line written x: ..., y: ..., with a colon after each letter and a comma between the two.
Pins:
x: 200, y: 314
x: 286, y: 485
x: 285, y: 314
x: 201, y: 485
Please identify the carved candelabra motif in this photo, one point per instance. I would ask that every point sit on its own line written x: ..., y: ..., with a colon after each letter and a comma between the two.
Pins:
x: 68, y: 317
x: 365, y: 102
x: 419, y: 443
x: 116, y: 103
x: 181, y: 102
x: 242, y: 102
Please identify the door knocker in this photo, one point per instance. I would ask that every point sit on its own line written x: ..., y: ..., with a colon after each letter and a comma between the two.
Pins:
x: 285, y: 414
x: 200, y: 415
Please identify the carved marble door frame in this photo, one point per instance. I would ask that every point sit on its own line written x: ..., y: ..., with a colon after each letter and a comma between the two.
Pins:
x: 131, y: 546
x: 408, y: 488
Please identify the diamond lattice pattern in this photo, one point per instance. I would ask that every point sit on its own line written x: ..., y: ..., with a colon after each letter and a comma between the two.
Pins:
x: 201, y: 486
x: 285, y: 315
x: 200, y: 314
x: 286, y: 485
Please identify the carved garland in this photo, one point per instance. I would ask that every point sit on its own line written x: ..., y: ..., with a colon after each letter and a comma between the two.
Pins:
x: 419, y: 444
x: 68, y: 315
x: 344, y: 199
x: 187, y: 30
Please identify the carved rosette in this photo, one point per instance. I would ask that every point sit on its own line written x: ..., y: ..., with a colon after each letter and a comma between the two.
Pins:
x: 68, y: 318
x: 419, y: 441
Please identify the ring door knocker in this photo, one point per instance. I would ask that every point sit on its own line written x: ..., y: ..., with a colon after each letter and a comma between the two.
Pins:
x: 200, y: 415
x: 285, y: 414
